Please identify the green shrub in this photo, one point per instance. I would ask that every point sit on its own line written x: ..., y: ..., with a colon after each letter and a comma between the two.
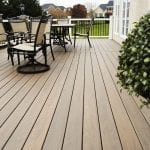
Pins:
x: 134, y: 60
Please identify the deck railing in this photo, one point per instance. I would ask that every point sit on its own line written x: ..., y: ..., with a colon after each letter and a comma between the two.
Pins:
x: 101, y: 28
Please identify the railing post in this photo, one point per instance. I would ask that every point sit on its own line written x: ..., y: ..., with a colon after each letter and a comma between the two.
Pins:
x: 70, y: 29
x: 111, y: 27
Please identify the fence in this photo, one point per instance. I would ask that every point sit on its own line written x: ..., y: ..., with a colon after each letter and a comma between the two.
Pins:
x: 101, y: 28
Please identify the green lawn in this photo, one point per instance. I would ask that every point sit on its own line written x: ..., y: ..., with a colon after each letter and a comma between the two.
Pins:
x: 99, y: 28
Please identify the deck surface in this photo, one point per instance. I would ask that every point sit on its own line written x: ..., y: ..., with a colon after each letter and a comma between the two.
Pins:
x: 76, y: 105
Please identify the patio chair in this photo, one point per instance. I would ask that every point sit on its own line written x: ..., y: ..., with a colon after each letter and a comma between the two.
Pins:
x: 34, y: 22
x: 20, y: 29
x: 31, y: 50
x: 20, y: 32
x: 83, y: 30
x: 48, y: 32
x: 3, y: 35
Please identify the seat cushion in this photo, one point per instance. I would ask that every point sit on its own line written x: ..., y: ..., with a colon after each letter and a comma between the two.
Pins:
x: 80, y: 34
x: 28, y: 47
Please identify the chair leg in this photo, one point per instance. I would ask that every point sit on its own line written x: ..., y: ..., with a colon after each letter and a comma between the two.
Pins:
x: 12, y: 60
x: 45, y: 55
x: 74, y: 40
x: 64, y: 44
x: 89, y: 41
x: 10, y: 55
x: 18, y: 56
x: 70, y: 39
x: 52, y: 52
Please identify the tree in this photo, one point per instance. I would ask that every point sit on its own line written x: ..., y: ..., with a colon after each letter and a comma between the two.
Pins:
x: 57, y: 13
x: 32, y: 8
x: 3, y: 10
x: 79, y: 11
x: 11, y: 8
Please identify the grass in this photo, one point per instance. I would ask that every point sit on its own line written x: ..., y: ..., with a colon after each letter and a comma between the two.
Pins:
x: 99, y: 28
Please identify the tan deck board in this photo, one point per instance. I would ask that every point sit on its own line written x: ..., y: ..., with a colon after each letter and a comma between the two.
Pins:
x: 11, y: 93
x: 109, y: 133
x: 144, y: 110
x: 30, y: 118
x: 122, y: 121
x: 73, y: 135
x: 20, y: 111
x: 76, y: 105
x: 91, y: 130
x: 56, y: 132
x: 136, y: 117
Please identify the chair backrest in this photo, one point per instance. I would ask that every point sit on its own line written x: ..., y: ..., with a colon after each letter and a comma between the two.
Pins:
x: 85, y: 26
x: 41, y: 31
x: 34, y: 26
x: 48, y: 29
x: 63, y: 21
x: 88, y: 25
x: 2, y: 33
x: 49, y: 25
x: 19, y: 26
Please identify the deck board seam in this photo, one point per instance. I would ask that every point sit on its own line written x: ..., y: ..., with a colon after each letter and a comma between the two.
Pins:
x: 131, y: 96
x: 57, y: 101
x: 108, y: 99
x: 96, y: 101
x: 24, y: 114
x: 71, y: 100
x: 122, y: 100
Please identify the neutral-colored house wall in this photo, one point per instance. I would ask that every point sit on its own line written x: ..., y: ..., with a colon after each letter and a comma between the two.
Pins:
x: 98, y: 11
x: 137, y: 9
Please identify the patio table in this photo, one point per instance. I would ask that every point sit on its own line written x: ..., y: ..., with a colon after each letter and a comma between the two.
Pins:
x: 59, y: 34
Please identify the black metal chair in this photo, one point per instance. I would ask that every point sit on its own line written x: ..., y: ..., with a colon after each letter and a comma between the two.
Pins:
x: 48, y: 32
x: 31, y: 50
x: 3, y: 35
x: 34, y: 22
x: 83, y: 30
x: 20, y: 29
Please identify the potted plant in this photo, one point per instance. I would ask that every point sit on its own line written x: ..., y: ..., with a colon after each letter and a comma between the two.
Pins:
x: 134, y: 60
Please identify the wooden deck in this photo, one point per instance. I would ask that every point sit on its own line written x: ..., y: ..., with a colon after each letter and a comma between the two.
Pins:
x: 77, y: 105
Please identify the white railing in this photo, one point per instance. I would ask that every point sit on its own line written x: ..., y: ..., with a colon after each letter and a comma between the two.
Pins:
x: 102, y: 27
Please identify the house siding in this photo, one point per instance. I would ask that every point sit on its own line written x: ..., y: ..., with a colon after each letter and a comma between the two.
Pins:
x: 137, y: 9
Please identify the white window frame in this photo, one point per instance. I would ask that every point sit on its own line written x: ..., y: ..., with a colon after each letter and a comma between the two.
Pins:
x: 125, y: 18
x: 117, y: 16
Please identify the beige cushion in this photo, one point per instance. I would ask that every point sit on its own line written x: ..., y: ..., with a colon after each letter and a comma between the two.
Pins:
x: 19, y: 26
x: 2, y: 33
x: 62, y: 21
x: 25, y: 47
x: 34, y: 26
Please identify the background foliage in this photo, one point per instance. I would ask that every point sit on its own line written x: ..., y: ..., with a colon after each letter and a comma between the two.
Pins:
x: 57, y: 13
x: 79, y: 11
x: 134, y: 59
x: 11, y: 8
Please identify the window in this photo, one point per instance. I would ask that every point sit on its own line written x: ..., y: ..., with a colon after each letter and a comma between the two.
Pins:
x: 117, y: 9
x: 125, y: 16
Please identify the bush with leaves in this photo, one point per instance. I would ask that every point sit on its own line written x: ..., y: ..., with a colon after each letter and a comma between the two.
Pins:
x: 134, y: 60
